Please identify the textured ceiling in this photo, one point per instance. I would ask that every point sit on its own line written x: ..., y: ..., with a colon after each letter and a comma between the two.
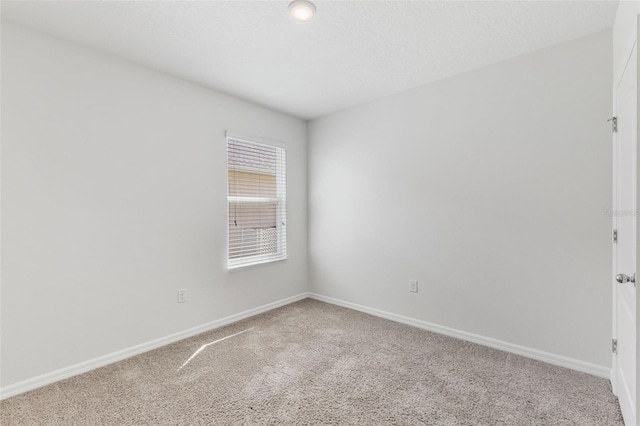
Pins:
x: 350, y: 53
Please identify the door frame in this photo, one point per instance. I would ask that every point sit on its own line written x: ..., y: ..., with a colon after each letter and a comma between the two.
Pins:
x: 635, y: 46
x: 614, y: 215
x: 627, y: 68
x: 629, y: 44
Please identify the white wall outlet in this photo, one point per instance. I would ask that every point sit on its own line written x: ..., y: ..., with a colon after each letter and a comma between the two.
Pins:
x: 182, y: 295
x: 413, y: 286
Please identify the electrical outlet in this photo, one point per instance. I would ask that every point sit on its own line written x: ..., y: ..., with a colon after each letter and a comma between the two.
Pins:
x: 182, y: 295
x: 413, y: 286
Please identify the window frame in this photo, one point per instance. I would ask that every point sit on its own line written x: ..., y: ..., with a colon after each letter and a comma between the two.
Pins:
x: 279, y: 201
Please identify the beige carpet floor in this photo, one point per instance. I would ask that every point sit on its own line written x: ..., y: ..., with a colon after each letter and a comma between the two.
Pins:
x: 313, y: 363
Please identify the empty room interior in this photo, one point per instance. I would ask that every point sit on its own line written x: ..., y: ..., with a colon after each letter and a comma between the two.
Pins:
x: 318, y: 212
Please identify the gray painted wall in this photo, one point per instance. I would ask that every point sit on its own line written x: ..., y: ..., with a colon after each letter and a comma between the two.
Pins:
x: 490, y: 188
x: 114, y: 197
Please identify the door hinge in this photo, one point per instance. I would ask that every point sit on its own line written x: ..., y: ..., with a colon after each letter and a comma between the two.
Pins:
x: 614, y: 346
x: 614, y: 124
x: 615, y: 236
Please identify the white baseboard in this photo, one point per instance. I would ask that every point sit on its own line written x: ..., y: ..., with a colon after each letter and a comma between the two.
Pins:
x: 574, y: 364
x: 92, y: 364
x: 83, y: 367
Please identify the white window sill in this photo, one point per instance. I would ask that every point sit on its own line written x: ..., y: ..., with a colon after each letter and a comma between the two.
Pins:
x: 257, y: 262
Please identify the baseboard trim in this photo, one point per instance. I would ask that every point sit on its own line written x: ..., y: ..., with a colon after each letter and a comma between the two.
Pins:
x: 92, y: 364
x: 574, y: 364
x: 83, y: 367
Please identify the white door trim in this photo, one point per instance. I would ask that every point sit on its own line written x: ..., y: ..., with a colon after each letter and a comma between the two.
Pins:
x: 614, y: 224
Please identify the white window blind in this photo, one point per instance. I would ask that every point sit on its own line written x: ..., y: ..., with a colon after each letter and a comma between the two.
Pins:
x: 256, y: 203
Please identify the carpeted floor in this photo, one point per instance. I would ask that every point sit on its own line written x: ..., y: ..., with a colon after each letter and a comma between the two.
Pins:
x: 314, y: 363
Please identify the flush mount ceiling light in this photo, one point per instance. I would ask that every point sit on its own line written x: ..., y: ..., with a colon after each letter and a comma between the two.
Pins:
x: 302, y: 10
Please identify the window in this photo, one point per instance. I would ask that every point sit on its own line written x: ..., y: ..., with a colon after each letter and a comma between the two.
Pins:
x: 256, y: 203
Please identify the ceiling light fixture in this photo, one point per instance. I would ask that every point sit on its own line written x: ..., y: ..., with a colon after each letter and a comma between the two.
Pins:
x: 302, y: 10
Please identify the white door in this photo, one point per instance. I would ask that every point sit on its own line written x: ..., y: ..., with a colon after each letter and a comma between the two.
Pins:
x: 625, y: 165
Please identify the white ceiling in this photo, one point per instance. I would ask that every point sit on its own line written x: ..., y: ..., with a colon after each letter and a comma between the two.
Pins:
x: 350, y: 53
